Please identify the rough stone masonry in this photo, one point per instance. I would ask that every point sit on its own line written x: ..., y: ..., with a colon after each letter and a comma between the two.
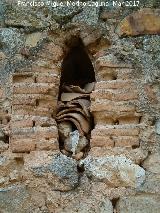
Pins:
x: 120, y: 171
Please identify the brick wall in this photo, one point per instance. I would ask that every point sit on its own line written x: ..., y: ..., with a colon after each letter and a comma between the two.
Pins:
x: 113, y: 104
x: 34, y: 100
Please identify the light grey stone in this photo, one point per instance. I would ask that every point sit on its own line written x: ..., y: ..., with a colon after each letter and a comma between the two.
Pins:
x: 157, y: 127
x: 65, y: 168
x: 3, y: 160
x: 59, y: 171
x: 29, y: 18
x: 152, y: 163
x: 15, y: 198
x: 151, y: 184
x: 89, y: 16
x: 114, y: 171
x: 89, y: 204
x: 139, y: 204
x: 11, y: 40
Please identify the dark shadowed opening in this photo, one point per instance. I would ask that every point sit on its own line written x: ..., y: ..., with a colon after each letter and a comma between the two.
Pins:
x: 77, y: 68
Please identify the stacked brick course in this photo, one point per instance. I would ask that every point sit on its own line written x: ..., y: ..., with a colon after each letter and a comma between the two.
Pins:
x: 35, y: 93
x: 113, y: 106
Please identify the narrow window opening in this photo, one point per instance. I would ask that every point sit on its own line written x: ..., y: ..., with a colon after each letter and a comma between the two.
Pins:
x: 6, y: 139
x: 77, y: 68
x: 34, y: 123
x: 74, y: 119
x: 114, y: 203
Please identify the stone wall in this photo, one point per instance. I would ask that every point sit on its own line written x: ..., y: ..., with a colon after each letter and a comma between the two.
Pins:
x: 120, y: 172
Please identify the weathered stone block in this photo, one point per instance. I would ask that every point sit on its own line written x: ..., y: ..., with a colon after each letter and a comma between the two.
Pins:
x: 22, y: 100
x: 152, y: 163
x: 116, y: 117
x: 59, y: 171
x: 35, y: 111
x: 47, y: 78
x: 15, y: 198
x: 23, y: 78
x: 114, y: 171
x: 134, y: 119
x: 115, y: 84
x: 44, y: 121
x: 144, y: 21
x: 23, y: 145
x: 111, y: 106
x: 100, y: 141
x: 35, y: 132
x: 89, y: 204
x: 51, y: 104
x: 43, y: 144
x: 55, y: 51
x: 151, y: 94
x: 106, y: 74
x: 45, y: 67
x: 33, y: 39
x: 125, y: 73
x: 30, y: 99
x: 139, y: 204
x: 120, y: 141
x: 21, y: 123
x: 33, y: 88
x: 126, y: 141
x: 104, y: 62
x: 114, y: 95
x: 116, y: 130
x: 114, y: 73
x: 151, y: 184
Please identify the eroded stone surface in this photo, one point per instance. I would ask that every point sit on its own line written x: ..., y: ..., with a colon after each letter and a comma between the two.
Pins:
x: 151, y: 184
x: 152, y: 163
x: 15, y: 198
x: 89, y: 204
x: 58, y: 170
x: 114, y: 171
x: 145, y: 21
x: 139, y: 203
x: 11, y: 40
